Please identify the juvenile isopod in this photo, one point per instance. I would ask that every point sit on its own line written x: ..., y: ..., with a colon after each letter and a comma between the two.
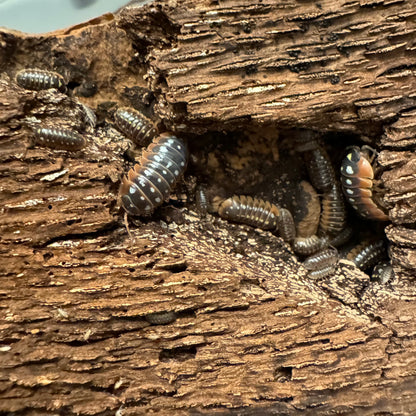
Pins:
x: 383, y: 272
x: 357, y: 177
x: 150, y: 182
x: 321, y: 273
x: 161, y: 318
x: 319, y: 166
x: 286, y: 225
x: 367, y: 254
x: 39, y: 79
x: 135, y: 126
x: 334, y: 214
x: 322, y: 259
x: 306, y: 246
x: 61, y: 139
x: 201, y: 200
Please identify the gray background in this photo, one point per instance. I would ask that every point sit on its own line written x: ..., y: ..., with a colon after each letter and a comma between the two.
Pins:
x: 37, y: 16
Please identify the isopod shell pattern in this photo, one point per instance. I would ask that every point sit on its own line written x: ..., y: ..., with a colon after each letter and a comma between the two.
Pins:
x: 251, y: 211
x: 357, y: 182
x: 161, y: 318
x: 39, y: 79
x: 322, y: 259
x: 150, y: 182
x: 306, y: 246
x: 286, y: 225
x: 135, y: 126
x: 334, y: 214
x: 60, y: 139
x: 367, y: 254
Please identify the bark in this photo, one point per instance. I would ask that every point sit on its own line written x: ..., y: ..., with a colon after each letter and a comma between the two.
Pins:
x: 253, y: 334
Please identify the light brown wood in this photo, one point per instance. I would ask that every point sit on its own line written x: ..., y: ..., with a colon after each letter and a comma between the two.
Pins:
x: 253, y: 335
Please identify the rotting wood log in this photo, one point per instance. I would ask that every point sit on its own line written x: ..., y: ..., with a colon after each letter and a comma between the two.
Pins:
x: 253, y: 334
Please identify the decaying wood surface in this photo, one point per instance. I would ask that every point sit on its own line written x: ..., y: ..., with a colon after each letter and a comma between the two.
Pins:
x: 253, y: 334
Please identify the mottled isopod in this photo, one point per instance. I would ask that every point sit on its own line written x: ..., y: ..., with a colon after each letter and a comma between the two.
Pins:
x: 306, y: 246
x: 39, y: 79
x: 135, y: 126
x: 149, y: 183
x: 383, y: 272
x: 319, y: 166
x: 357, y: 181
x: 322, y: 259
x: 286, y: 225
x: 161, y: 318
x: 251, y: 211
x: 334, y: 214
x: 343, y: 237
x: 61, y: 139
x: 367, y: 254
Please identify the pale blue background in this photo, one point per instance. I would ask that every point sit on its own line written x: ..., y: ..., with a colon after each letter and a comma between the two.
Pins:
x: 37, y: 16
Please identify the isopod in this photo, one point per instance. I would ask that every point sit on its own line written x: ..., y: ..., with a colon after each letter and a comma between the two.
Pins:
x: 322, y: 259
x: 135, y: 126
x: 149, y: 183
x: 357, y: 177
x: 307, y: 210
x: 367, y: 254
x: 251, y: 211
x: 161, y: 318
x: 39, y: 79
x: 320, y: 170
x: 383, y: 272
x: 286, y: 225
x: 201, y: 200
x: 306, y: 246
x: 343, y: 237
x: 321, y: 273
x: 56, y: 138
x: 334, y: 214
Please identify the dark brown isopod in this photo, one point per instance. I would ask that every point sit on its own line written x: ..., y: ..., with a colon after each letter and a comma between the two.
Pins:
x: 334, y: 214
x: 149, y: 183
x: 161, y: 318
x: 251, y: 211
x: 135, y: 126
x: 357, y: 177
x: 61, y: 139
x: 322, y: 259
x: 306, y: 246
x: 343, y: 237
x: 319, y: 166
x: 286, y: 225
x: 39, y: 79
x: 367, y: 254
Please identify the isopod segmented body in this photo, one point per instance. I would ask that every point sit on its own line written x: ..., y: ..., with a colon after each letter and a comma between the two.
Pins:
x: 322, y: 259
x: 319, y: 166
x: 39, y: 79
x: 251, y: 211
x: 383, y: 272
x: 135, y: 126
x: 321, y: 273
x: 357, y: 177
x: 343, y: 237
x: 161, y: 318
x: 61, y: 139
x: 201, y: 200
x: 367, y: 254
x: 334, y: 214
x: 286, y: 225
x: 149, y: 183
x: 306, y: 246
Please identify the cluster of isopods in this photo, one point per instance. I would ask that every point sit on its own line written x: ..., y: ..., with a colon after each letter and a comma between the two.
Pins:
x: 315, y: 238
x: 53, y: 137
